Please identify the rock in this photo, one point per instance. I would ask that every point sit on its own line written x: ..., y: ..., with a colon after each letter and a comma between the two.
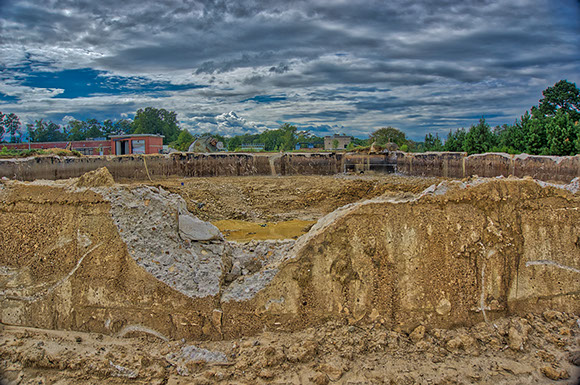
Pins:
x: 462, y: 341
x: 515, y: 339
x: 266, y: 373
x: 320, y: 379
x: 554, y: 374
x: 518, y: 334
x: 574, y: 358
x: 564, y: 331
x: 303, y: 352
x: 216, y: 319
x: 272, y: 357
x: 418, y: 334
x: 333, y: 372
x: 552, y: 315
x: 546, y: 356
x: 443, y: 307
x: 194, y: 229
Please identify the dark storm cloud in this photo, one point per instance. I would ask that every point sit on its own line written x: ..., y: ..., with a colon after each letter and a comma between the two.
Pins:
x: 415, y: 64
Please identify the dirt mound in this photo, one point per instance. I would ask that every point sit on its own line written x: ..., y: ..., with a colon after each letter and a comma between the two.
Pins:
x: 97, y: 178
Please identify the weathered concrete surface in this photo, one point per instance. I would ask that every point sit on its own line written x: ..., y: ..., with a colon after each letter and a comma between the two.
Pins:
x: 440, y: 164
x: 107, y: 259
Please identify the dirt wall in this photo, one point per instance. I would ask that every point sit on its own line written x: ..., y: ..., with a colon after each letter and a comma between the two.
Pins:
x: 447, y: 164
x: 450, y: 258
x: 459, y: 165
x: 457, y: 255
x: 178, y: 164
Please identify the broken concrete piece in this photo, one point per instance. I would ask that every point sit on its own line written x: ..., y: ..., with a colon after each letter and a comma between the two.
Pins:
x: 194, y: 229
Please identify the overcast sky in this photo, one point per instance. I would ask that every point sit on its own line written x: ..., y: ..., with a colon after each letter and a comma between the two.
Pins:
x: 233, y: 66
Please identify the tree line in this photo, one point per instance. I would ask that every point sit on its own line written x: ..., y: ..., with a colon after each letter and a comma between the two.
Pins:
x: 147, y: 121
x: 550, y: 128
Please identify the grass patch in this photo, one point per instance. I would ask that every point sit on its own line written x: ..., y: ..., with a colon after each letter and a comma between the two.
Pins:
x: 15, y: 153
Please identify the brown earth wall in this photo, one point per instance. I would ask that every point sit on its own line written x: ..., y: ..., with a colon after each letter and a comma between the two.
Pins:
x: 472, y: 254
x: 444, y: 164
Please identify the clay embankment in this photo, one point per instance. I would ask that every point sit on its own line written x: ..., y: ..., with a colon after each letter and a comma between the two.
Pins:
x: 117, y: 260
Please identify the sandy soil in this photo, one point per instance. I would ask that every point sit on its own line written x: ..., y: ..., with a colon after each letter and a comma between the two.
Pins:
x: 537, y: 349
x: 275, y: 199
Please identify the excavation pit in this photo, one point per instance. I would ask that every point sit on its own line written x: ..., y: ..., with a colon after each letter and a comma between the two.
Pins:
x: 404, y: 257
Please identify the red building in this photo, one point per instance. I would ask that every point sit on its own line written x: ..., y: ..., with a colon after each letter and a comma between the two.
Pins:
x: 136, y: 144
x: 117, y: 145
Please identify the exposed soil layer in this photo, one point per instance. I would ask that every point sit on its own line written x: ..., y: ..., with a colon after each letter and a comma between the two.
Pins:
x: 275, y: 199
x: 243, y: 231
x: 536, y: 349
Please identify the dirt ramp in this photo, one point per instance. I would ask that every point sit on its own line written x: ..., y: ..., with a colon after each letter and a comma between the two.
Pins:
x: 460, y: 254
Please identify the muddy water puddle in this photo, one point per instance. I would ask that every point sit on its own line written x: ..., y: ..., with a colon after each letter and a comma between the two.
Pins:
x: 242, y: 231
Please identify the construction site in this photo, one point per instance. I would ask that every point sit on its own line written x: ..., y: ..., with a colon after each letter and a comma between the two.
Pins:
x: 395, y: 268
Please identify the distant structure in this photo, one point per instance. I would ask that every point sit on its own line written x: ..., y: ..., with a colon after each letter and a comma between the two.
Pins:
x: 136, y: 144
x: 116, y: 145
x: 337, y: 142
x: 206, y: 144
x: 253, y: 146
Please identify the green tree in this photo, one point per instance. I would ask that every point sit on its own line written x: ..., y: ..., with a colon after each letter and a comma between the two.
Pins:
x: 433, y: 143
x: 357, y: 142
x: 288, y: 137
x: 184, y: 140
x: 563, y: 96
x: 94, y: 129
x: 479, y: 138
x: 11, y: 125
x: 388, y: 135
x: 108, y: 128
x: 455, y: 140
x: 2, y: 130
x: 536, y: 139
x: 77, y: 130
x: 157, y: 121
x: 234, y: 143
x: 561, y: 134
x: 42, y: 131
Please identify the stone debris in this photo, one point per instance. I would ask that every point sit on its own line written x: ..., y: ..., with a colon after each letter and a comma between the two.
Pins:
x: 554, y: 373
x: 192, y: 354
x: 418, y: 334
x: 148, y: 221
x: 194, y: 229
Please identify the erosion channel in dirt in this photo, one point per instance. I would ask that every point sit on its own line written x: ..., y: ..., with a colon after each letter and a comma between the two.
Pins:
x: 365, y: 269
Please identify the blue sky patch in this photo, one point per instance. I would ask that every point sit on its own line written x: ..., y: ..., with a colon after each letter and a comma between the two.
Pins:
x: 88, y: 82
x: 265, y: 99
x: 7, y: 98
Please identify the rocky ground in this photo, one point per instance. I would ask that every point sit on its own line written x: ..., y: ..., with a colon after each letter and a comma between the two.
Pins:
x: 538, y: 349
